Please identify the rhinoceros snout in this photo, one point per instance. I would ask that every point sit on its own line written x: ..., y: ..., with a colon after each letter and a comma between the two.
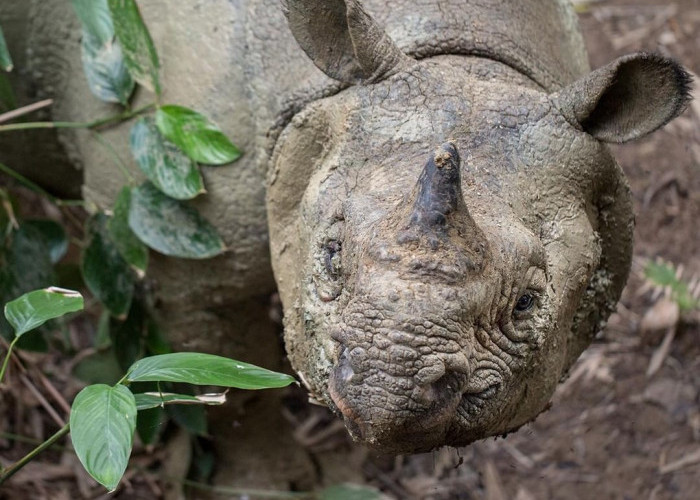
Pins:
x: 395, y: 413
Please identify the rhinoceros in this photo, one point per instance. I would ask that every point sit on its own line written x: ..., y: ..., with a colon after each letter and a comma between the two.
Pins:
x: 429, y: 181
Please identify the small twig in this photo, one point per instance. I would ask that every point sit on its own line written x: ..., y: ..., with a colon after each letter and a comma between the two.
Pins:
x: 42, y: 400
x: 25, y: 110
x: 690, y: 459
x: 657, y: 359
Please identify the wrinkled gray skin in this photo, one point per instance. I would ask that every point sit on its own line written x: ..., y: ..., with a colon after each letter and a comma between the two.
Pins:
x: 447, y: 229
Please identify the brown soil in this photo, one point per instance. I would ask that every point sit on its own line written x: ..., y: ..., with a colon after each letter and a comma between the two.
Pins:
x: 612, y: 432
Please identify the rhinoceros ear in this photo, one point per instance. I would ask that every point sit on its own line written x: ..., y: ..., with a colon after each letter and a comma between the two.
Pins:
x: 343, y: 40
x: 626, y: 99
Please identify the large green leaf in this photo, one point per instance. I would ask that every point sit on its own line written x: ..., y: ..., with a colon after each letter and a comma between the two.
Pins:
x: 105, y: 70
x: 106, y: 273
x: 5, y: 59
x: 54, y: 236
x: 102, y: 423
x: 205, y: 369
x: 130, y: 247
x: 95, y: 19
x: 36, y: 308
x: 168, y: 168
x: 170, y: 226
x: 139, y: 52
x: 198, y: 137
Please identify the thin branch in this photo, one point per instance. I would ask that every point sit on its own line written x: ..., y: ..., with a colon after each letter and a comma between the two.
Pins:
x: 14, y: 468
x: 25, y: 110
x: 93, y: 124
x: 38, y: 189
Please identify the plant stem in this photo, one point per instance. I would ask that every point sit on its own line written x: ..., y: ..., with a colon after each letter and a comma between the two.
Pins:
x: 10, y: 471
x: 93, y: 124
x: 38, y: 189
x: 7, y: 357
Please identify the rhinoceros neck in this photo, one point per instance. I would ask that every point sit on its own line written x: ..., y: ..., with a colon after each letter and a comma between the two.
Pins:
x: 539, y: 38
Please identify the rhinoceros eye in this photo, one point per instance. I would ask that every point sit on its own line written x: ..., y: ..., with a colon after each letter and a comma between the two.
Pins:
x: 524, y: 303
x: 332, y: 258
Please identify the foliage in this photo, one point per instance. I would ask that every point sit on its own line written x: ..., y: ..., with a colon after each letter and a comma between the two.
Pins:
x: 665, y: 275
x: 103, y: 417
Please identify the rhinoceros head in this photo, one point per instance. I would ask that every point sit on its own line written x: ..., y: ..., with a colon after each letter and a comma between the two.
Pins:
x: 447, y: 237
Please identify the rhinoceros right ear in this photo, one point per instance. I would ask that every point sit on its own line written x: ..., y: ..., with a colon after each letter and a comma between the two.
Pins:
x: 626, y: 99
x: 343, y: 40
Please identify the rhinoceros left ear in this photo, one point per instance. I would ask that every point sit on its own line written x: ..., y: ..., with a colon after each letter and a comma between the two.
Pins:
x: 343, y: 40
x: 626, y: 99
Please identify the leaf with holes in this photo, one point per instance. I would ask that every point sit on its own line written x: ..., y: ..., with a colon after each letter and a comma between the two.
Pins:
x: 171, y: 227
x: 168, y: 168
x: 205, y: 369
x: 197, y: 136
x: 140, y: 54
x: 102, y: 423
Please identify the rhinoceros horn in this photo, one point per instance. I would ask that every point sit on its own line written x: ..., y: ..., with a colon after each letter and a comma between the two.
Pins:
x: 437, y: 206
x: 343, y: 40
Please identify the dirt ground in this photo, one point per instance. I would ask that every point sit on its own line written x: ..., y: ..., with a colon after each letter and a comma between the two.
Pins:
x: 613, y: 432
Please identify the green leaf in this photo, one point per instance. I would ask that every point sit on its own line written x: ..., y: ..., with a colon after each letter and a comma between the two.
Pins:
x: 95, y: 19
x: 349, y: 491
x: 105, y: 70
x: 106, y: 273
x: 205, y: 369
x: 170, y: 226
x: 198, y: 137
x: 102, y: 423
x: 140, y: 55
x: 5, y: 59
x: 54, y: 236
x: 168, y: 168
x: 130, y: 247
x: 153, y: 399
x: 36, y: 308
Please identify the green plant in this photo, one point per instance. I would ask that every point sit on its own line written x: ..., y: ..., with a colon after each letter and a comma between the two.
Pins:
x: 665, y: 275
x: 103, y: 417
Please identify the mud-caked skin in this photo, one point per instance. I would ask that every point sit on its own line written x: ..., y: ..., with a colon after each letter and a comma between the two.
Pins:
x: 447, y: 229
x: 455, y: 237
